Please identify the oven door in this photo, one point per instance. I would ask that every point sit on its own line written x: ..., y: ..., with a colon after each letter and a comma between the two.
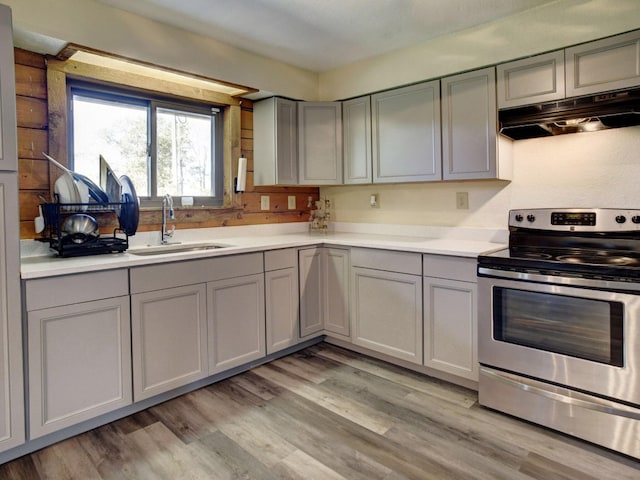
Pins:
x: 582, y: 338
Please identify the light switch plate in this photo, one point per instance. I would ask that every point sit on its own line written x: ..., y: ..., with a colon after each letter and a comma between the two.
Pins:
x: 291, y: 202
x: 264, y: 202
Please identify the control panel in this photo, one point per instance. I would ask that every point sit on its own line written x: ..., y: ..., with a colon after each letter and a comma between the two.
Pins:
x: 575, y: 219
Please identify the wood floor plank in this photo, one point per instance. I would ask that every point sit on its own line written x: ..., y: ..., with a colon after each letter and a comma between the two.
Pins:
x: 434, y: 387
x: 374, y: 421
x: 323, y: 413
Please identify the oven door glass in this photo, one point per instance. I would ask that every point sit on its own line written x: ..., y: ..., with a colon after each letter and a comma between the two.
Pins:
x: 574, y: 326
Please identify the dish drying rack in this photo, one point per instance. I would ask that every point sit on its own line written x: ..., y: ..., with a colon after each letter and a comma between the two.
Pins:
x: 54, y: 216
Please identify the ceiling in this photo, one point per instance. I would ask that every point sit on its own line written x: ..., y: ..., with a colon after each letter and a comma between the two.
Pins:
x: 321, y: 35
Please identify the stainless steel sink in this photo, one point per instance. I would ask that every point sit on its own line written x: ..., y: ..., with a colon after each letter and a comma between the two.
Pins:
x: 175, y: 248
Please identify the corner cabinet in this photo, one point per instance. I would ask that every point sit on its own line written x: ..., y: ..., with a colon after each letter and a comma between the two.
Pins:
x: 402, y: 154
x: 324, y: 291
x: 450, y: 315
x: 79, y: 348
x: 275, y: 142
x: 320, y: 143
x: 281, y: 298
x: 386, y: 302
x: 469, y: 128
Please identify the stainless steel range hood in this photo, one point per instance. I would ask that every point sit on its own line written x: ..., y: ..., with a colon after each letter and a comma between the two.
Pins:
x: 581, y: 114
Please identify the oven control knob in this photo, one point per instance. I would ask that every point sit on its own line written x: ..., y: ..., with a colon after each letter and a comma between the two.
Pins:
x: 635, y: 219
x: 531, y: 218
x: 621, y: 219
x: 519, y: 217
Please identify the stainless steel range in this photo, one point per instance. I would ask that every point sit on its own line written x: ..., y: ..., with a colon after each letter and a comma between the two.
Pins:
x: 559, y: 323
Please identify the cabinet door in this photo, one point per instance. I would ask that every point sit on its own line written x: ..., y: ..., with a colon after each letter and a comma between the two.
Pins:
x: 311, y: 297
x: 469, y: 125
x: 450, y: 320
x: 11, y: 372
x: 336, y: 291
x: 8, y: 134
x: 356, y: 135
x: 387, y: 313
x: 406, y: 134
x: 320, y: 143
x: 275, y: 154
x: 236, y: 321
x: 79, y: 363
x: 169, y: 332
x: 531, y: 80
x: 609, y: 64
x: 281, y: 289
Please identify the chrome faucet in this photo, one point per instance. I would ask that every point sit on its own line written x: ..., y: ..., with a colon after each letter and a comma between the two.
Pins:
x: 167, y: 208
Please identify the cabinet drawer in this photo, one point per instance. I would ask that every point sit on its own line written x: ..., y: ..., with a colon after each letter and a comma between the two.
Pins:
x: 175, y: 274
x: 279, y: 259
x: 454, y: 268
x: 402, y: 262
x: 69, y: 289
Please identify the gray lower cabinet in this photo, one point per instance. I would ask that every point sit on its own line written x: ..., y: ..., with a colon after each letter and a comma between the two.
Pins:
x: 324, y: 291
x: 450, y: 315
x: 281, y: 299
x: 195, y: 318
x: 79, y: 348
x: 386, y: 302
x: 236, y: 321
x: 169, y: 331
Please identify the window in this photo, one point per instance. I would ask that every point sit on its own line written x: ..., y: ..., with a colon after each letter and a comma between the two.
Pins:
x: 164, y: 146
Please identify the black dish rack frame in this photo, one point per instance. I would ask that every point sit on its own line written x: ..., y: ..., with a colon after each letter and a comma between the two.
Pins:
x: 54, y: 216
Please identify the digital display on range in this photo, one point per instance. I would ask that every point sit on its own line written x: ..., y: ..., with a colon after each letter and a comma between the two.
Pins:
x: 573, y: 218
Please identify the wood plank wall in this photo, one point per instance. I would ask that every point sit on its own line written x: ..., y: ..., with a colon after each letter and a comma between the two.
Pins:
x: 36, y: 182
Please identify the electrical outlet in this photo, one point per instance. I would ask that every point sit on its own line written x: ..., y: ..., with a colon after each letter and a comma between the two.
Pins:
x: 264, y: 202
x: 291, y: 202
x: 462, y: 200
x: 374, y: 200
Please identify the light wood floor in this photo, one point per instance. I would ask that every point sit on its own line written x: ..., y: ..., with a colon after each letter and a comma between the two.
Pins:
x: 323, y: 413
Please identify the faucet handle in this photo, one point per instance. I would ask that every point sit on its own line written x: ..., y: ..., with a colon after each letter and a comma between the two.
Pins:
x: 171, y: 231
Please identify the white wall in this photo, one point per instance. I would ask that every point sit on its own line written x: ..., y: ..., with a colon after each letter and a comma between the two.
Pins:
x: 549, y: 27
x: 96, y: 25
x: 597, y: 169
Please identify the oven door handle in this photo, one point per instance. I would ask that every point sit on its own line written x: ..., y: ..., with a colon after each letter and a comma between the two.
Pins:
x: 576, y: 399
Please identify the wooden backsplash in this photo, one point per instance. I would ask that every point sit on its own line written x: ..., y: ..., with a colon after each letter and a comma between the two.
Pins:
x: 36, y: 182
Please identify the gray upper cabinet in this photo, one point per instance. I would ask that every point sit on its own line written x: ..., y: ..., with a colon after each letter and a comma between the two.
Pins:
x: 608, y: 64
x: 406, y: 134
x: 531, y: 80
x: 356, y: 138
x: 320, y: 143
x: 469, y: 127
x: 275, y: 130
x: 8, y: 140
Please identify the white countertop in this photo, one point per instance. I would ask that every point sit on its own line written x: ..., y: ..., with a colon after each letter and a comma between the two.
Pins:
x: 38, y: 261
